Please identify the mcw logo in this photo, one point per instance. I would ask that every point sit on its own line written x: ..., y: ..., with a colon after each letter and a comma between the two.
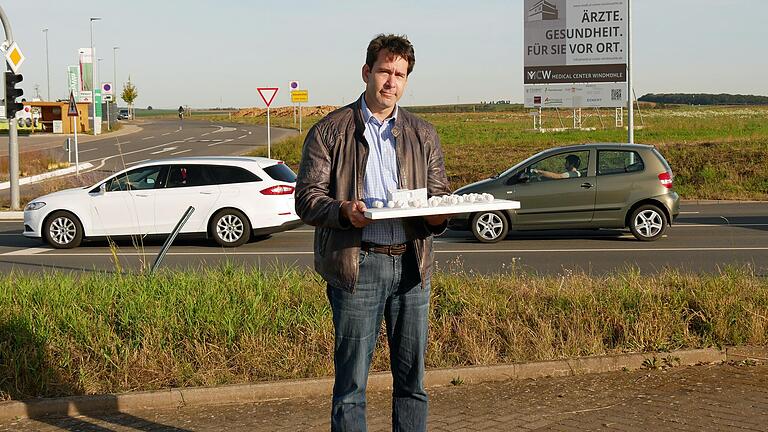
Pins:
x: 539, y: 75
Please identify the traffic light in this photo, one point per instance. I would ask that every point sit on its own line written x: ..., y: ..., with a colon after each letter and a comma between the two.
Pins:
x: 12, y: 93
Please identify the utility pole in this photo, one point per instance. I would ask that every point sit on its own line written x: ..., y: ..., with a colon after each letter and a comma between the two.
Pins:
x: 93, y: 77
x: 630, y: 108
x: 13, y: 131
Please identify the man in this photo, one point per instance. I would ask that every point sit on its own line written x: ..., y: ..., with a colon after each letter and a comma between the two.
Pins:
x: 351, y: 158
x: 572, y: 163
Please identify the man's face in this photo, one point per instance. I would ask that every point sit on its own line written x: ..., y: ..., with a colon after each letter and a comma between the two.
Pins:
x: 385, y: 81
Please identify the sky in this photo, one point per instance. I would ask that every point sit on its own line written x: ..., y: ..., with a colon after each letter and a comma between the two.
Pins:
x: 209, y: 54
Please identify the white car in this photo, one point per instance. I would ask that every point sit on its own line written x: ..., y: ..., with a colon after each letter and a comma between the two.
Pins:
x: 233, y: 198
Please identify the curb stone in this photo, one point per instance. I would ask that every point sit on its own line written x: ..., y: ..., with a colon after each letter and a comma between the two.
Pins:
x: 288, y: 389
x: 11, y: 215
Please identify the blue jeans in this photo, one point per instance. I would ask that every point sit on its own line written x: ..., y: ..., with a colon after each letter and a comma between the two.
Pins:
x: 388, y: 287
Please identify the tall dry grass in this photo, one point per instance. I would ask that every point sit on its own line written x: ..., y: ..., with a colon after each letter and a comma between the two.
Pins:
x: 64, y: 334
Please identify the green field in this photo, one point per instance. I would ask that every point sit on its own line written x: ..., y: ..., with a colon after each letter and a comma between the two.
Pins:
x: 715, y: 152
x: 64, y: 334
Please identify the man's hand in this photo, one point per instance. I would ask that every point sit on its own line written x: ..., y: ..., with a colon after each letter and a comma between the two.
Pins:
x: 354, y: 212
x: 435, y: 220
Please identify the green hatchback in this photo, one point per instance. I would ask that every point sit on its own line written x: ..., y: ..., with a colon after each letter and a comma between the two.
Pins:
x: 579, y: 187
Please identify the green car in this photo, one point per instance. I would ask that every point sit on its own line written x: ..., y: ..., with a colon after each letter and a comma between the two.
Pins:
x: 579, y: 187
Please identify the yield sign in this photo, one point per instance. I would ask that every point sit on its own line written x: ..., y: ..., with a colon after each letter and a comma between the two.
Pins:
x: 267, y: 94
x: 72, y: 106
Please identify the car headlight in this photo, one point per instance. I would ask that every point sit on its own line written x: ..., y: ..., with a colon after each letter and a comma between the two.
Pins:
x: 34, y: 206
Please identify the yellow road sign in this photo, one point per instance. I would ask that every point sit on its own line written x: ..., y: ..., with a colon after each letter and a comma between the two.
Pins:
x: 299, y: 96
x: 15, y: 57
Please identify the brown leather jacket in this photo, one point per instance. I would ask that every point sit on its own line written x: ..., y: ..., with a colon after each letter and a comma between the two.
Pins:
x: 331, y: 171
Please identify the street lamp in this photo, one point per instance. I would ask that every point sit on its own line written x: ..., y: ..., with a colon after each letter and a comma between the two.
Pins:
x: 93, y: 86
x: 98, y: 77
x: 114, y: 70
x: 47, y: 64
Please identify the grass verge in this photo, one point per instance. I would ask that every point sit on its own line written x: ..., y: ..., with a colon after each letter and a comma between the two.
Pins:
x: 62, y: 334
x: 715, y: 152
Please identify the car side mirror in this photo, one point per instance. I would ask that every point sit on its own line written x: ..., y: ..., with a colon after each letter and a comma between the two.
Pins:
x: 102, y: 189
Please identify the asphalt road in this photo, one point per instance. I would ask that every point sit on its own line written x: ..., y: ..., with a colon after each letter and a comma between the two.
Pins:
x: 706, y: 238
x: 156, y: 139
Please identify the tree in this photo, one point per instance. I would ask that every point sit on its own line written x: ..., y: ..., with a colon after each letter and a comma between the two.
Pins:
x: 130, y: 93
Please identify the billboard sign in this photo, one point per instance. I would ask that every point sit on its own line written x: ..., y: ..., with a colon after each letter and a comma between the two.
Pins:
x: 573, y: 41
x: 581, y: 95
x: 73, y: 80
x: 86, y: 74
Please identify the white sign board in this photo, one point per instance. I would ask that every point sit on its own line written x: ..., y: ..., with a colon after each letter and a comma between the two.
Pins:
x: 594, y: 95
x: 573, y: 41
x: 57, y: 126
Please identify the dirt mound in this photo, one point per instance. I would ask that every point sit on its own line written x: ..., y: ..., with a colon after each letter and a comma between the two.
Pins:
x: 307, y: 111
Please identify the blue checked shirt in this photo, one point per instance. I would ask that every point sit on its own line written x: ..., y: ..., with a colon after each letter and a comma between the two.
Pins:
x: 380, y: 177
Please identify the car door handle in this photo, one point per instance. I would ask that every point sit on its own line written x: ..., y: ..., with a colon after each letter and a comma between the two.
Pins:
x: 206, y: 193
x: 142, y: 195
x: 586, y: 185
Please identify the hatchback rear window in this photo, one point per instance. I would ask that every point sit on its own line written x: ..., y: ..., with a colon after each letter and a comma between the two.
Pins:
x: 663, y: 161
x: 281, y: 172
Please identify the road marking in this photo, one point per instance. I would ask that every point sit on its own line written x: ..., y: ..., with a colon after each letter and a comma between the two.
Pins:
x: 167, y: 133
x: 104, y: 160
x: 182, y: 151
x: 136, y: 162
x: 33, y: 251
x: 27, y: 251
x: 205, y: 134
x: 220, y: 142
x: 689, y: 212
x: 681, y: 225
x: 242, y: 136
x: 86, y: 151
x: 165, y: 149
x: 122, y: 143
x: 249, y: 132
x: 149, y: 137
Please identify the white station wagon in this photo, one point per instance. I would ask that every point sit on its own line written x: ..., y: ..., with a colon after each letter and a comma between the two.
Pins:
x: 233, y: 197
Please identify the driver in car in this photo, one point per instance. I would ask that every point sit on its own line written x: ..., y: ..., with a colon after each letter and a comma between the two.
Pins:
x: 572, y: 163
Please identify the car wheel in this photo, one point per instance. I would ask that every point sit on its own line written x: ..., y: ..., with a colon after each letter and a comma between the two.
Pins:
x: 62, y: 230
x: 648, y: 223
x: 489, y: 227
x: 230, y: 228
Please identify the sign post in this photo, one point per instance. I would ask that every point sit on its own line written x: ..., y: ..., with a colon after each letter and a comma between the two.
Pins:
x: 293, y: 85
x: 106, y: 90
x: 268, y: 95
x: 72, y: 113
x: 299, y: 96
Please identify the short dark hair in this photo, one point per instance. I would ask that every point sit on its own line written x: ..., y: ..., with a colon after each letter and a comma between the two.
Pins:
x: 573, y: 160
x: 395, y: 44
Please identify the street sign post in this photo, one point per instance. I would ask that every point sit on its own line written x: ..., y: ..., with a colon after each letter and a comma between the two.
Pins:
x: 106, y: 91
x: 72, y: 113
x: 299, y: 96
x: 268, y: 95
x: 293, y: 85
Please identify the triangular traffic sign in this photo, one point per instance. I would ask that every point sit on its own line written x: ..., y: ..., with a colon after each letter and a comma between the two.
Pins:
x: 267, y: 94
x: 72, y: 106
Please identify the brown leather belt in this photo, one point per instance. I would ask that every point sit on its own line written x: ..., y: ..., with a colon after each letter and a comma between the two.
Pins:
x: 391, y: 250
